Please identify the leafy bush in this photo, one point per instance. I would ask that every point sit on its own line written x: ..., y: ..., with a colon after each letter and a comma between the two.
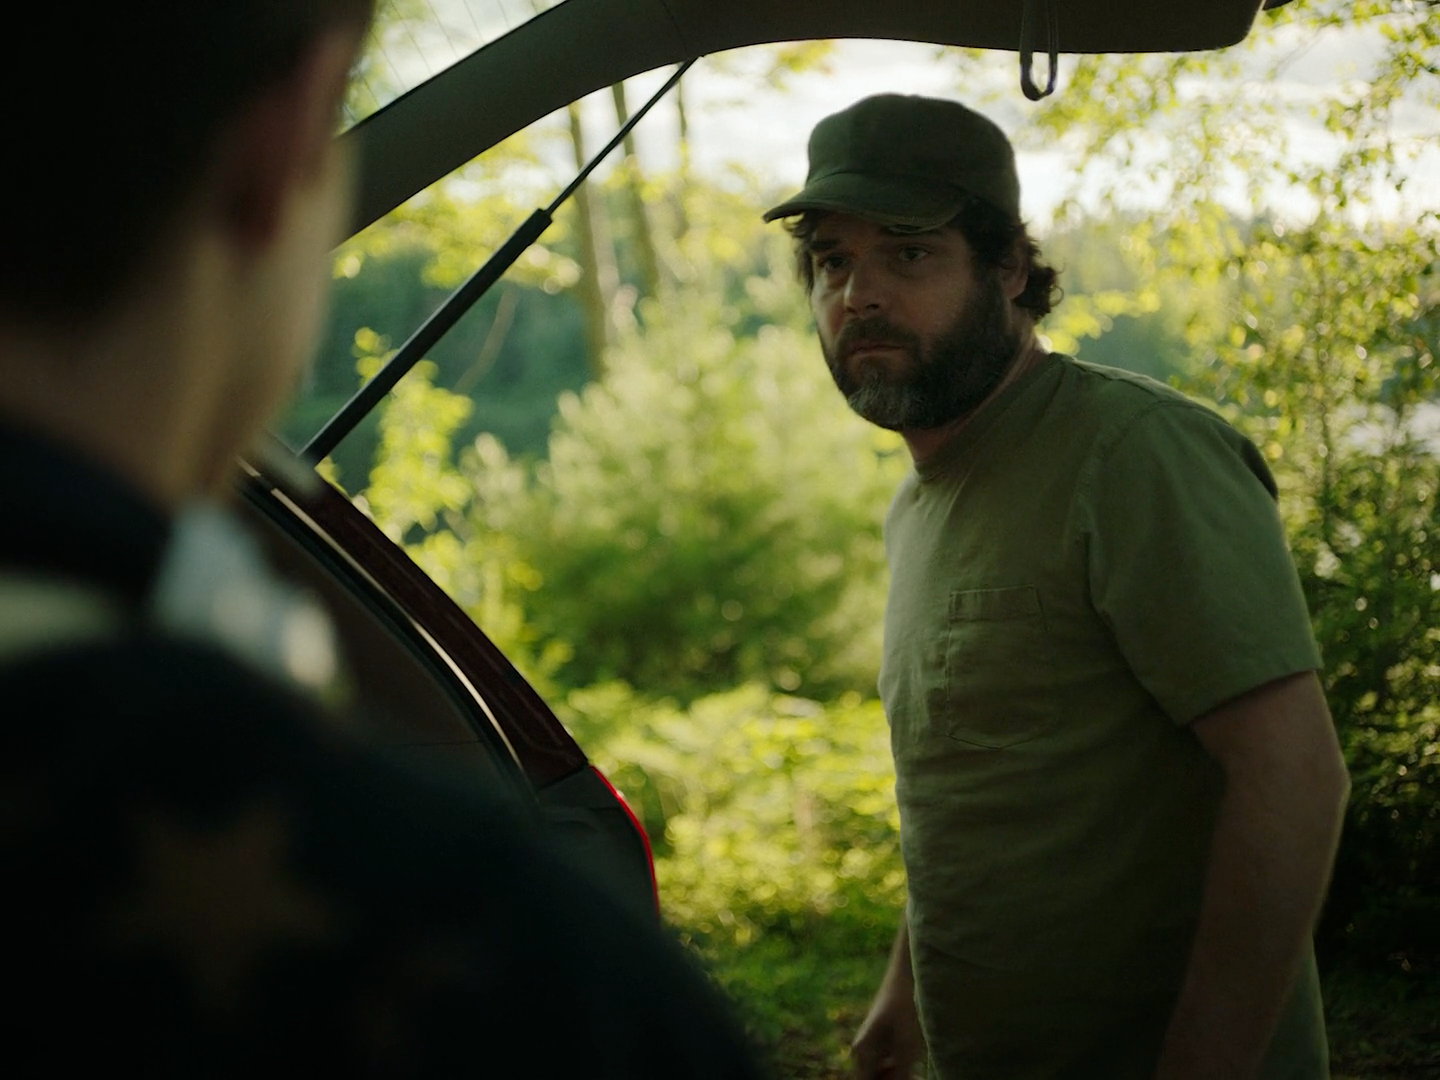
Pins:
x: 777, y: 851
x: 709, y: 513
x: 1371, y: 567
x: 766, y: 811
x: 1331, y: 368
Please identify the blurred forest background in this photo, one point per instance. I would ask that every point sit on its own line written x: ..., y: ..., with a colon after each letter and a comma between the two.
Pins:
x: 628, y: 463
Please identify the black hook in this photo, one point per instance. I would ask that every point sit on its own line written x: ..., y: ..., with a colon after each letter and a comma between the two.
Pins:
x: 1030, y: 17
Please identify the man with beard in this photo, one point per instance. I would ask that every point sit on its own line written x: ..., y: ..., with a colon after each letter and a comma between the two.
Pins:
x: 1119, y: 785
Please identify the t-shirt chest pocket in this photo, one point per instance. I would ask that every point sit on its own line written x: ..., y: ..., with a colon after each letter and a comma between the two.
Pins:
x: 999, y: 667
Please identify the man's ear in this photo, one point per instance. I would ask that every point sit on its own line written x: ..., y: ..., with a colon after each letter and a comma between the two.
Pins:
x: 280, y: 141
x: 1015, y: 270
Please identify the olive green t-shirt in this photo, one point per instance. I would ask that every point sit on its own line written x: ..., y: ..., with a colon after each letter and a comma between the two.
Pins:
x: 1094, y: 562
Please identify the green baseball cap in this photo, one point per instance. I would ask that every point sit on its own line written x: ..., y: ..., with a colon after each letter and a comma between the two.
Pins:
x: 906, y: 162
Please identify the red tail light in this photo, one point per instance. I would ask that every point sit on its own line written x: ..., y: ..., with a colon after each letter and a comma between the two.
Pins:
x: 639, y: 831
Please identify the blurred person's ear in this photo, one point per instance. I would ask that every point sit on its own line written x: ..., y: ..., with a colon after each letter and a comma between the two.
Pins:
x: 275, y: 205
x: 282, y: 141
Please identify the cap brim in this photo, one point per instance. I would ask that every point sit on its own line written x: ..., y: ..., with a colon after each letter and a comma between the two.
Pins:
x: 895, y: 203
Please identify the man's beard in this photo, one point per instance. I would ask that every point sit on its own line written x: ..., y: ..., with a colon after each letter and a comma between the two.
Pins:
x: 939, y: 383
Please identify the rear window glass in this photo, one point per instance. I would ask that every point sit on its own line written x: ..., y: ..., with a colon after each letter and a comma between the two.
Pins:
x: 415, y: 40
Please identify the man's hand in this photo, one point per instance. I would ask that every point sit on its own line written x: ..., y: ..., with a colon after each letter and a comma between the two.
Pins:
x: 1270, y: 859
x: 890, y: 1043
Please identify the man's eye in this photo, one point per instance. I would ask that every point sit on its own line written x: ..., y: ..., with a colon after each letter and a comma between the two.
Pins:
x: 829, y: 263
x: 912, y: 253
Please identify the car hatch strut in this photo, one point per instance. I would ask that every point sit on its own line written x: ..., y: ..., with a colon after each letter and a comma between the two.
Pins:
x: 462, y: 299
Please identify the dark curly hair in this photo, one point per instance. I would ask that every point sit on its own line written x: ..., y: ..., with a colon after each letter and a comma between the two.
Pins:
x: 991, y: 235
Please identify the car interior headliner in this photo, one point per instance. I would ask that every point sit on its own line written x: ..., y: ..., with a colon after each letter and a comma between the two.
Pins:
x: 580, y: 46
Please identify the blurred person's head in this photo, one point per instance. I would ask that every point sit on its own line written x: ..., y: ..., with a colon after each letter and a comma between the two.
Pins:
x: 172, y: 190
x: 923, y: 281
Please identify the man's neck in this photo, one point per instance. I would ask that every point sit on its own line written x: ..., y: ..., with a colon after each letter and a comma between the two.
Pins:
x: 924, y: 443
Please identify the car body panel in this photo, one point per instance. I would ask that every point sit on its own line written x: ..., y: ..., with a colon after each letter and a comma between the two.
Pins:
x: 329, y: 540
x: 426, y: 681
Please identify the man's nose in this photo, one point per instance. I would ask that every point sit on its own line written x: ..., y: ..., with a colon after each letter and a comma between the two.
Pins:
x: 864, y: 288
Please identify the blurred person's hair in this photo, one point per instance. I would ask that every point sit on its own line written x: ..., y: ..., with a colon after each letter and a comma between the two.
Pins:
x: 114, y: 112
x: 991, y: 234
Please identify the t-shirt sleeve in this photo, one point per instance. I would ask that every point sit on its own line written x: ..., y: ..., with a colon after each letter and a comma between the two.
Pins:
x: 1188, y: 562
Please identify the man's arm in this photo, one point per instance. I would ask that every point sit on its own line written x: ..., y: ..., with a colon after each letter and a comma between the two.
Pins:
x: 890, y: 1043
x: 1270, y: 860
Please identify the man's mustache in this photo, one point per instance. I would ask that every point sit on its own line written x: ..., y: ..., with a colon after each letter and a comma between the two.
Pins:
x: 874, y: 330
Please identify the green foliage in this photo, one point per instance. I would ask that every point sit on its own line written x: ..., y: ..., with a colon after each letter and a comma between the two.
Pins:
x: 1330, y: 365
x: 418, y: 498
x: 709, y: 513
x: 1382, y: 1024
x: 803, y: 997
x: 411, y: 484
x: 767, y: 812
x: 511, y: 356
x: 1112, y: 312
x: 776, y: 837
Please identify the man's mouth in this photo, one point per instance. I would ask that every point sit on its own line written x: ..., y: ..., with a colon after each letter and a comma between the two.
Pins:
x: 870, y: 346
x: 873, y: 348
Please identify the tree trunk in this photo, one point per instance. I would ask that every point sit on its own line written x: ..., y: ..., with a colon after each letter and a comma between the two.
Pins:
x: 598, y: 277
x: 682, y: 181
x: 646, y: 261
